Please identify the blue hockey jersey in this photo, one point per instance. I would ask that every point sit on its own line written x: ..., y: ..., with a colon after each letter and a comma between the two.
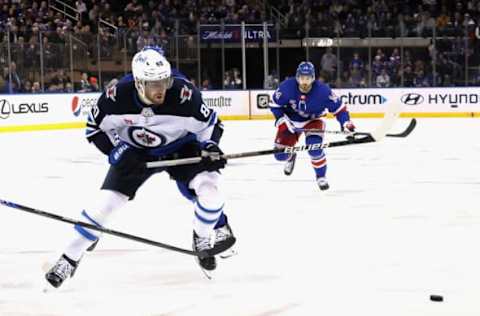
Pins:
x: 300, y: 107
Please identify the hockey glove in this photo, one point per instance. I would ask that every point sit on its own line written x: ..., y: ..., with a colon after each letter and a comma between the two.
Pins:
x: 212, y: 156
x: 284, y: 124
x: 125, y: 157
x: 348, y: 126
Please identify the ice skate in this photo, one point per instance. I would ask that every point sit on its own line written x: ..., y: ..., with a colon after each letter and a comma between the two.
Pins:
x: 63, y: 269
x: 290, y: 164
x: 224, y: 238
x: 202, y: 244
x: 323, y: 183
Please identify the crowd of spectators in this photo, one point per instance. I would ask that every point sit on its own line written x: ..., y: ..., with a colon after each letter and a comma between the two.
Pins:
x: 39, y: 37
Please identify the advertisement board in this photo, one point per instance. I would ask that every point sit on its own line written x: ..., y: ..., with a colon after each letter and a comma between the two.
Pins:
x: 229, y: 104
x: 233, y: 33
x: 414, y: 102
x: 25, y: 112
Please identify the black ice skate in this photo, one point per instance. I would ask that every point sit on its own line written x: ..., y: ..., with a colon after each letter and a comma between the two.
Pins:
x: 322, y: 183
x: 224, y: 238
x: 202, y: 244
x: 290, y: 164
x: 223, y: 241
x: 63, y: 269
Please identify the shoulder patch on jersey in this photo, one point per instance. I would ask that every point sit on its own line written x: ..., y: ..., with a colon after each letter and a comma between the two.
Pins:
x: 185, y: 94
x: 112, y: 92
x: 333, y: 97
x: 278, y: 94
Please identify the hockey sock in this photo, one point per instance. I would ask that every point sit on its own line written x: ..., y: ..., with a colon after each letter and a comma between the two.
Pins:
x: 84, y: 237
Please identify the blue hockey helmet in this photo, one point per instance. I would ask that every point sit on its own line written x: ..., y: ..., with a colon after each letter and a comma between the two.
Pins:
x: 306, y: 68
x: 305, y: 76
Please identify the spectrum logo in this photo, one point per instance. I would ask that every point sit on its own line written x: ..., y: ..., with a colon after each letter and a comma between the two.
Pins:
x: 367, y: 99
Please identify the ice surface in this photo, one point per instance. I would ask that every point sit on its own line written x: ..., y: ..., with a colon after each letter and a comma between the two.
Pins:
x: 400, y: 222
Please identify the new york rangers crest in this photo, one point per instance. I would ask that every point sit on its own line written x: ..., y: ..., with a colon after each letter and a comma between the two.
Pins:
x: 302, y: 103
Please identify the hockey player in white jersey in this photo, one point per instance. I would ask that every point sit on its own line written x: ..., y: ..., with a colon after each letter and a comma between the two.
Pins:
x: 154, y: 116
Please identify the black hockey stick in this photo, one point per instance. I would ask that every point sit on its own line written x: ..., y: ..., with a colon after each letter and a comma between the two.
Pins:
x: 388, y: 120
x: 201, y: 254
x: 405, y: 133
x: 355, y: 139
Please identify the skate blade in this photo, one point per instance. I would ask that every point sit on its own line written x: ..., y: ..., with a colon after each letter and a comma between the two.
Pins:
x: 48, y: 288
x: 228, y: 254
x: 208, y: 274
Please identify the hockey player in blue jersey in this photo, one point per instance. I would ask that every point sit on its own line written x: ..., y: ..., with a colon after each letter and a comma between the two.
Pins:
x: 152, y: 117
x: 298, y: 105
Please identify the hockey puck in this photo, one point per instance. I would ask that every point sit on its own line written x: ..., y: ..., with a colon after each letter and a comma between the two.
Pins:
x: 436, y: 298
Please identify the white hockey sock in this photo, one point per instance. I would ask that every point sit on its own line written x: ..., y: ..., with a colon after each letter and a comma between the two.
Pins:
x: 109, y: 201
x: 209, y: 203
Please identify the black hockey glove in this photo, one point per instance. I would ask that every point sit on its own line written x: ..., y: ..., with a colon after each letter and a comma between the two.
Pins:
x: 126, y: 158
x: 212, y: 156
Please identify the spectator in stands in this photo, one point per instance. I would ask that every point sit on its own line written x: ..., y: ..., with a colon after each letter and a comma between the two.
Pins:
x: 85, y: 85
x: 237, y: 79
x: 377, y: 66
x: 356, y: 63
x: 206, y: 85
x: 94, y: 87
x: 420, y: 80
x: 408, y: 76
x: 383, y: 79
x: 16, y: 83
x: 328, y: 63
x: 36, y: 87
x: 27, y: 86
x: 69, y: 87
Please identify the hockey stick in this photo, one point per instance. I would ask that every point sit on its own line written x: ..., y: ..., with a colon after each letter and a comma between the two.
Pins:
x: 378, y: 134
x: 201, y: 254
x: 366, y: 138
x: 405, y: 133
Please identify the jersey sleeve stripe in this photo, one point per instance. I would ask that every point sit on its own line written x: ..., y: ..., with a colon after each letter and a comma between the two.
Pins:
x: 340, y: 109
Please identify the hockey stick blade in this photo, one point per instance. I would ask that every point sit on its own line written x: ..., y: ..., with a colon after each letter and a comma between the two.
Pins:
x: 405, y: 133
x: 202, y: 254
x: 411, y: 126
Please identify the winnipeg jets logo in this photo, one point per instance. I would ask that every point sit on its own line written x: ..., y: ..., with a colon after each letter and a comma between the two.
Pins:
x: 185, y: 94
x: 147, y: 112
x: 144, y: 137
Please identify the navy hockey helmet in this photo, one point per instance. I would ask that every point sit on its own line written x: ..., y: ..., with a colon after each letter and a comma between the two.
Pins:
x: 305, y: 76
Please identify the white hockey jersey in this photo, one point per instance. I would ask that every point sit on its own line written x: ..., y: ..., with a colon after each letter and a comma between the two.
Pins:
x: 161, y: 129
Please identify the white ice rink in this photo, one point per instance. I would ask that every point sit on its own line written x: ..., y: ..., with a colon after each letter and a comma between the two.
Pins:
x: 400, y: 222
